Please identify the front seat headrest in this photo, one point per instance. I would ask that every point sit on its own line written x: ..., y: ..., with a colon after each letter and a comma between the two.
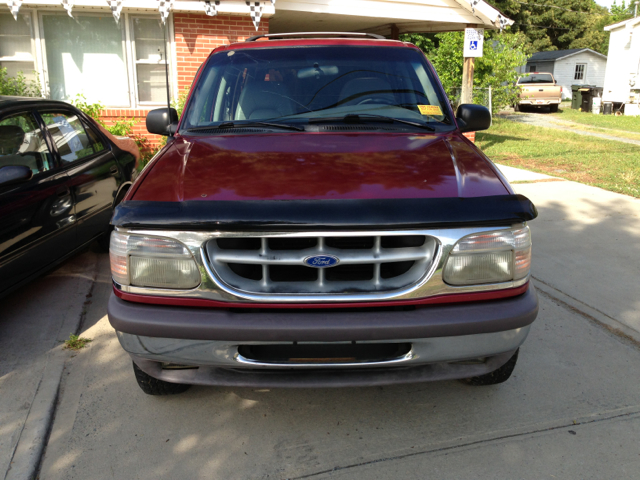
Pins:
x: 11, y: 138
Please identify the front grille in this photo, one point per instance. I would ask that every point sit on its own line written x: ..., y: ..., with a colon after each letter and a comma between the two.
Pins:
x: 367, y: 263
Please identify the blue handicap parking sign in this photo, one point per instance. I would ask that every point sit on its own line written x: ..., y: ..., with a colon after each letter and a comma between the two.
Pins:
x: 473, y: 45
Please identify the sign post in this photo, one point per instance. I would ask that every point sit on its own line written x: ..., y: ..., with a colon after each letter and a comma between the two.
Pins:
x: 473, y: 44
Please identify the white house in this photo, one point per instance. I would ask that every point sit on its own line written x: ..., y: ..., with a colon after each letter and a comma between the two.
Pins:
x: 622, y: 79
x: 577, y: 66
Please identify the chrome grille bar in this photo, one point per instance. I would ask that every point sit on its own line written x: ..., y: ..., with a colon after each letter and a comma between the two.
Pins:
x: 361, y: 268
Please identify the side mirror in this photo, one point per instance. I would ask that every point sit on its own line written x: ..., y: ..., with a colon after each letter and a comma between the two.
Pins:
x: 473, y: 118
x: 15, y: 174
x: 162, y: 121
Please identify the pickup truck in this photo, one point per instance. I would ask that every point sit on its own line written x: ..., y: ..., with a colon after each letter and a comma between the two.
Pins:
x: 318, y: 219
x: 538, y: 90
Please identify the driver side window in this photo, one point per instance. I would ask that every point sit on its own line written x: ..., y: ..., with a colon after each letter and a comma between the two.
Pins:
x: 22, y: 143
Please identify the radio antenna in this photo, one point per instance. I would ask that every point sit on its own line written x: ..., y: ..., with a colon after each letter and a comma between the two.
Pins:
x: 166, y: 71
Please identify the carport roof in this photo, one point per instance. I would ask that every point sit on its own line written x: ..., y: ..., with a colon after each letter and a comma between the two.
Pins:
x: 385, y: 17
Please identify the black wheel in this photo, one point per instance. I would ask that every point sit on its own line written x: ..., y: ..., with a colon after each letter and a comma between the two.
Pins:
x: 553, y: 108
x: 500, y: 375
x: 103, y: 240
x: 153, y: 386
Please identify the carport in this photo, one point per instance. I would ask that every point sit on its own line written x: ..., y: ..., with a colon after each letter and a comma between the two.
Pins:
x: 385, y: 17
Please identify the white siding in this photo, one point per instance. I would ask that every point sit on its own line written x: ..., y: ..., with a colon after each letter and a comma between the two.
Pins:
x: 542, y: 66
x: 565, y: 69
x: 624, y: 63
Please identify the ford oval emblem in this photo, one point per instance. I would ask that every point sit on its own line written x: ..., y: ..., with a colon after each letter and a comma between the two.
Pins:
x: 322, y: 261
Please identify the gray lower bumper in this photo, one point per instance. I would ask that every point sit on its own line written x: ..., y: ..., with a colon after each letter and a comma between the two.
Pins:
x: 442, y: 339
x: 301, y: 325
x: 370, y: 377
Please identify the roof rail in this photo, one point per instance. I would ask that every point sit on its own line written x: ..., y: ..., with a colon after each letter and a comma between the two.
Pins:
x: 316, y: 34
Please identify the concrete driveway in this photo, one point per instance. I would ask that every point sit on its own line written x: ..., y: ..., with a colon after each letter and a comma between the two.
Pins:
x: 571, y: 410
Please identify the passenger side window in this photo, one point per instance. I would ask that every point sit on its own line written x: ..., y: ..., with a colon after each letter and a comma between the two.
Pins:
x: 70, y: 136
x: 22, y: 143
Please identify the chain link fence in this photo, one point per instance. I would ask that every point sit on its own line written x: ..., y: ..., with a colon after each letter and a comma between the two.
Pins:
x: 481, y: 96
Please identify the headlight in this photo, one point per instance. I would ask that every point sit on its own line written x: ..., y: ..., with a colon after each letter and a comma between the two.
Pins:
x: 490, y: 257
x: 152, y: 262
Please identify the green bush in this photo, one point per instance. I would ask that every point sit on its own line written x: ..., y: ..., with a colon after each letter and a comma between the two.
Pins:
x: 19, y: 86
x: 93, y: 110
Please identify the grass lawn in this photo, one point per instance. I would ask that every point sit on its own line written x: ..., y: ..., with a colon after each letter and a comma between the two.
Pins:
x: 626, y: 123
x: 607, y: 164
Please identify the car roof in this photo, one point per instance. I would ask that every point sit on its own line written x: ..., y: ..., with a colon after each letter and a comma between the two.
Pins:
x: 9, y: 101
x: 310, y: 41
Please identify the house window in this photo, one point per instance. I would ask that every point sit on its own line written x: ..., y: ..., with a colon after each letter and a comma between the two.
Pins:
x: 16, y: 45
x: 149, y: 60
x: 117, y: 64
x: 532, y: 68
x: 85, y: 55
x: 581, y: 69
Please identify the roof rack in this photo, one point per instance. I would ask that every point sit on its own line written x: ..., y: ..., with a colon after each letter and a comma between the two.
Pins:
x: 273, y: 36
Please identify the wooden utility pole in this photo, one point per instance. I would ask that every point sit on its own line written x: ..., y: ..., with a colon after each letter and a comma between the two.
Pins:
x: 467, y: 80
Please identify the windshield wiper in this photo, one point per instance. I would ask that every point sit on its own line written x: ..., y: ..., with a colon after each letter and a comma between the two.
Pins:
x: 358, y: 117
x: 250, y: 124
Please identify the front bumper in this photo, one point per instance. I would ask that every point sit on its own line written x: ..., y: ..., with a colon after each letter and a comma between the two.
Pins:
x: 540, y: 103
x: 485, y: 333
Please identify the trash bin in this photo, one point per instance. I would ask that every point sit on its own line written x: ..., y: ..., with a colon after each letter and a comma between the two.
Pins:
x: 607, y: 108
x: 587, y: 92
x: 576, y: 98
x: 596, y: 103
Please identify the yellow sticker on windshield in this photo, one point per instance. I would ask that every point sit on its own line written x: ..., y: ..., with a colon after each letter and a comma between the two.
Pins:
x: 430, y: 109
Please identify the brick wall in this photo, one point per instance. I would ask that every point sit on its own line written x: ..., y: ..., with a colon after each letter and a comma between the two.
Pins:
x: 110, y: 115
x: 197, y: 35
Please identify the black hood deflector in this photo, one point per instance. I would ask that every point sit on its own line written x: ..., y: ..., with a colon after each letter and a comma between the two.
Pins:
x: 326, y: 214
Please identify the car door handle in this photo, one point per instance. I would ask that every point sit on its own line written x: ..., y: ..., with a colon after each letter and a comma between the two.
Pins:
x: 63, y: 191
x: 114, y: 170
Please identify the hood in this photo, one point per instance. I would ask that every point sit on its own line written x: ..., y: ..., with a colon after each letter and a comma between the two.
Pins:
x: 315, y: 166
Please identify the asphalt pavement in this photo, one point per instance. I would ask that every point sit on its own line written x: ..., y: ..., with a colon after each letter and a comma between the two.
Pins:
x: 571, y: 409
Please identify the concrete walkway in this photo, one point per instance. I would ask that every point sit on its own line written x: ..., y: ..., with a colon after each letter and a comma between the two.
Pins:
x: 34, y: 321
x: 549, y: 121
x: 571, y: 410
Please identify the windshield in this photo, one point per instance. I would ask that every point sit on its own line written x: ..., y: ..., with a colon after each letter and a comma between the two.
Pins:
x: 295, y: 84
x: 536, y: 78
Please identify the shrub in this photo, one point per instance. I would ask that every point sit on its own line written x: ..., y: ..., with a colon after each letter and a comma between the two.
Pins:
x: 19, y: 86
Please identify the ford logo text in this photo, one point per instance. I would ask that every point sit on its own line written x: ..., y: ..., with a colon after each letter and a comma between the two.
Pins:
x: 321, y: 261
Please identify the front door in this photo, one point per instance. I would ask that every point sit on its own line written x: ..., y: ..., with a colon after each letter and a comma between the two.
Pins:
x: 37, y: 223
x: 91, y: 167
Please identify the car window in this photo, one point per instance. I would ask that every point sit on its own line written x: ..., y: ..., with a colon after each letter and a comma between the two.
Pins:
x: 536, y: 78
x: 70, y: 136
x: 304, y: 83
x: 22, y: 143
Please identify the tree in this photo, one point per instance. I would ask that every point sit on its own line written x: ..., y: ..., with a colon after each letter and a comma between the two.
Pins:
x: 503, y: 53
x: 621, y: 12
x: 558, y: 24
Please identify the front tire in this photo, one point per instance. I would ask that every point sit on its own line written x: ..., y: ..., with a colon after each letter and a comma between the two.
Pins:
x: 499, y: 375
x: 153, y: 386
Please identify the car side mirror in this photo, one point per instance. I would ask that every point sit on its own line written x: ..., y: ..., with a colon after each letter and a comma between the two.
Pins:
x: 162, y: 121
x: 473, y: 118
x: 15, y: 174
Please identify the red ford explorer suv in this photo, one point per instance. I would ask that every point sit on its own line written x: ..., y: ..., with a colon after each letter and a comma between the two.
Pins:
x: 317, y: 219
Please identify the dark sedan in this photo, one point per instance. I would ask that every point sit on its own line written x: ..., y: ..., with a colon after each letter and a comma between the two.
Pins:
x: 61, y: 175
